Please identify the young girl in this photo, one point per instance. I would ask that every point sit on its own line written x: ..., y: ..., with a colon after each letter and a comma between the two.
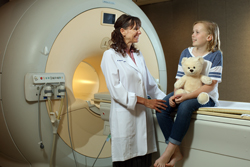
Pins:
x: 206, y: 43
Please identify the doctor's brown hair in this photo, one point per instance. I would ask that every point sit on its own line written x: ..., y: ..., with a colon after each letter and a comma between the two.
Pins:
x: 117, y: 41
x: 213, y: 29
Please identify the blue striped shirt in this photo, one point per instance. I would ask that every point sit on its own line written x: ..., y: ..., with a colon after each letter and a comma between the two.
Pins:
x: 212, y: 67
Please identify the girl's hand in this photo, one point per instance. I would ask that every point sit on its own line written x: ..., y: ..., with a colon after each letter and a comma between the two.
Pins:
x: 172, y: 101
x: 180, y: 98
x: 155, y: 104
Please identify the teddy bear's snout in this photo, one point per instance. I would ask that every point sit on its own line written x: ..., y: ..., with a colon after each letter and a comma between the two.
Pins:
x: 191, y: 70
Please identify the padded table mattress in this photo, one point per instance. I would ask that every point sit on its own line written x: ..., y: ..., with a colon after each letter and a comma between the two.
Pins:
x: 230, y: 109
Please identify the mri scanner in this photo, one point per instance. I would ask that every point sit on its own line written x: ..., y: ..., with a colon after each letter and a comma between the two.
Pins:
x: 53, y: 44
x: 50, y: 54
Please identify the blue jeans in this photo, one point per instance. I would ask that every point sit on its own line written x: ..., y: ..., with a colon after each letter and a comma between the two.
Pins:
x: 174, y: 131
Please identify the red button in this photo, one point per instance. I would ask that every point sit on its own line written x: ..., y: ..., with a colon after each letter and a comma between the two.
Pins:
x: 41, y: 78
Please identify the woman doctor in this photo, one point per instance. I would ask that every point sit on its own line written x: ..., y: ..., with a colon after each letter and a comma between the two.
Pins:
x: 129, y: 83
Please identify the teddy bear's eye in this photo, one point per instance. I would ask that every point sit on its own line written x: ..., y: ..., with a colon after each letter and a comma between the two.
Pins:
x: 188, y: 67
x: 193, y: 67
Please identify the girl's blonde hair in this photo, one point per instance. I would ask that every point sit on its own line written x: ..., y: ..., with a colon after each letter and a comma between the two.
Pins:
x: 213, y: 29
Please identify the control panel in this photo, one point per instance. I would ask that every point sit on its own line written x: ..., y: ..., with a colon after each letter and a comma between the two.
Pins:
x: 48, y: 78
x: 43, y: 86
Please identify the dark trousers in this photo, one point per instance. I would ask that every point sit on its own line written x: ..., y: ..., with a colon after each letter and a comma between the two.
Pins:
x: 141, y: 161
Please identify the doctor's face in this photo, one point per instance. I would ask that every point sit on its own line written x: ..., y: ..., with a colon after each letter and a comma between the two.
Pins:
x: 131, y: 34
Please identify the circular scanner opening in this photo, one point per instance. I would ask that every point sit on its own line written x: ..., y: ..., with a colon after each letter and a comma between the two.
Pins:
x: 85, y: 82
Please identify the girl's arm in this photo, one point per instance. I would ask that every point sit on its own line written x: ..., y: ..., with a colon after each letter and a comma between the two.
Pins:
x: 171, y: 100
x: 205, y: 88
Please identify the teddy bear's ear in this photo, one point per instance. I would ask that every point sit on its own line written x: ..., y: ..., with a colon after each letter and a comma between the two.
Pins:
x: 183, y: 60
x: 200, y: 59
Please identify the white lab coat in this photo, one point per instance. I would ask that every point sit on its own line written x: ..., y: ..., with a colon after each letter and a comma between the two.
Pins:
x: 131, y: 124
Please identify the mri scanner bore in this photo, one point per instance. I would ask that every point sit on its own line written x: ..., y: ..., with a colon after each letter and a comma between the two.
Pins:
x: 64, y: 43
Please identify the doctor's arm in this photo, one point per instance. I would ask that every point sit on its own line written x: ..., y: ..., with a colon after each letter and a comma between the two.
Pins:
x: 154, y: 92
x: 152, y: 103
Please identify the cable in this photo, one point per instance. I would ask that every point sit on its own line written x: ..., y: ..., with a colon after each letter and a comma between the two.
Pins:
x: 69, y: 129
x: 39, y: 129
x: 39, y: 119
x: 102, y: 149
x: 61, y: 92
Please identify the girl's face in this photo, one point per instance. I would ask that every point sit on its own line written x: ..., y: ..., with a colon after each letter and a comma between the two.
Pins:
x: 200, y: 36
x: 131, y: 34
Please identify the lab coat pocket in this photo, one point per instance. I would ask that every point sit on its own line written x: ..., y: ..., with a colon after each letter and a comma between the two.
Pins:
x: 126, y: 124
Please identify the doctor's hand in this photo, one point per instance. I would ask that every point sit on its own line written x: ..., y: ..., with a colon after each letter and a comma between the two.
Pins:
x: 155, y: 104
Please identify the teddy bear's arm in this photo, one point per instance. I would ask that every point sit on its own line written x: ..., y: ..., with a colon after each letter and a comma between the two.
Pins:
x: 206, y: 80
x: 180, y: 82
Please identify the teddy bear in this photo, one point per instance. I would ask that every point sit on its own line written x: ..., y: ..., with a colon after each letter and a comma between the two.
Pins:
x: 193, y: 79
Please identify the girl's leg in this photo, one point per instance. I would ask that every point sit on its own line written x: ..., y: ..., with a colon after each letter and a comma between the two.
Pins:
x: 165, y: 122
x: 164, y: 119
x: 183, y: 118
x: 177, y: 156
x: 178, y: 130
x: 172, y: 151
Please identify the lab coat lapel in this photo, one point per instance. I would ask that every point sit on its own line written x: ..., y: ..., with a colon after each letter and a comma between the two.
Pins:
x: 139, y: 62
x: 131, y: 63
